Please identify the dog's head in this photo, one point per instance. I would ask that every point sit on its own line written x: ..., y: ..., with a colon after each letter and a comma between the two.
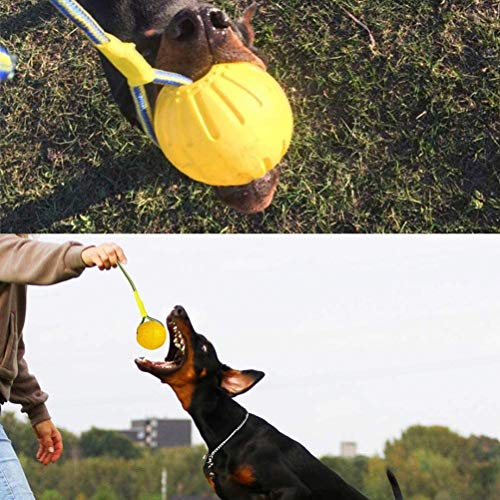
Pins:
x: 192, y: 365
x: 194, y: 36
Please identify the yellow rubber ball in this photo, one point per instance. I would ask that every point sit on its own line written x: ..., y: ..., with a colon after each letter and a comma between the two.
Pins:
x: 227, y: 129
x: 151, y: 335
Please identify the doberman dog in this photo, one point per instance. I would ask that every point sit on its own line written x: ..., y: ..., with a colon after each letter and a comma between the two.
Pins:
x: 249, y: 458
x: 186, y: 37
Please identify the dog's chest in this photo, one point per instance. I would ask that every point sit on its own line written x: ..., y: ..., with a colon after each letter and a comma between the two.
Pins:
x: 236, y: 482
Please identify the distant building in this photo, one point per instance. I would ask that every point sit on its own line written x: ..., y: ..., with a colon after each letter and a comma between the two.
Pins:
x: 348, y: 449
x: 160, y: 433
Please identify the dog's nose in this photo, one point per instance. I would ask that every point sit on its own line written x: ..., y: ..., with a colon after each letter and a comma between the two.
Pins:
x: 185, y: 26
x: 215, y: 18
x: 188, y: 24
x: 180, y: 312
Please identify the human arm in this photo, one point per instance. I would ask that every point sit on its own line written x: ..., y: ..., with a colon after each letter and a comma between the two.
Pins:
x: 24, y: 261
x: 26, y: 391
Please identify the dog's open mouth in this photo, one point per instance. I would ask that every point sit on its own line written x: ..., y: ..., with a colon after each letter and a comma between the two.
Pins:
x: 176, y: 354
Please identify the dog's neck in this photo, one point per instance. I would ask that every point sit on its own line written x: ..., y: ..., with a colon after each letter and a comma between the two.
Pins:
x: 216, y: 417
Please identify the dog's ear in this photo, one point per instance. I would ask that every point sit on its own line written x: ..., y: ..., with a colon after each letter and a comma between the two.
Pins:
x: 236, y: 382
x: 244, y: 24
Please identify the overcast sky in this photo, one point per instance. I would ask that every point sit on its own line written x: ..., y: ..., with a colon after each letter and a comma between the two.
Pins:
x: 360, y: 337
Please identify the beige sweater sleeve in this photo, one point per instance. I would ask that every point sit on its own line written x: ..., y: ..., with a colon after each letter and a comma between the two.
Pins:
x: 28, y: 262
x: 27, y: 392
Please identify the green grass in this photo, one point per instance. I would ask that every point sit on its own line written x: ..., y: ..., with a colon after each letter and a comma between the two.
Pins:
x: 404, y: 138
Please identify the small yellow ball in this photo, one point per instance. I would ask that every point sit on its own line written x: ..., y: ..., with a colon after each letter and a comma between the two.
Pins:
x: 151, y: 335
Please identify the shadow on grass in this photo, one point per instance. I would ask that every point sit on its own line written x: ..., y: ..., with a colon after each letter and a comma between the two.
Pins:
x: 91, y: 187
x: 26, y: 20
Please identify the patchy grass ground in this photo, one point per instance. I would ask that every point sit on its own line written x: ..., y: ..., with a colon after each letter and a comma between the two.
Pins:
x: 404, y: 138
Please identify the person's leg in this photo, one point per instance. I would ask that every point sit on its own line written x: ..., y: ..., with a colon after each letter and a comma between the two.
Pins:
x: 13, y: 482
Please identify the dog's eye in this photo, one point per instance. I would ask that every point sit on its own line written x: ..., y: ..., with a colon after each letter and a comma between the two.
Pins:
x: 204, y: 348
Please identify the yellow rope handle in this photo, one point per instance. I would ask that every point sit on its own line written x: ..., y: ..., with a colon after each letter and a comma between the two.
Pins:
x: 140, y: 304
x: 125, y: 57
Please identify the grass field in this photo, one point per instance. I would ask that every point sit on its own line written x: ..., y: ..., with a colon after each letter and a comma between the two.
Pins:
x: 400, y: 137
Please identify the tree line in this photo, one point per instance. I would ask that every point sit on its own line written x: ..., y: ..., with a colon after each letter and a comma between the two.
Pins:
x: 431, y: 463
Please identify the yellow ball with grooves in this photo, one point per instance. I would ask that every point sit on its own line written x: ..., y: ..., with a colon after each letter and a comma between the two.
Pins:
x: 151, y: 335
x: 227, y: 129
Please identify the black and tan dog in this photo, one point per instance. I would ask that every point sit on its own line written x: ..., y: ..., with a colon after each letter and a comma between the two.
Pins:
x: 249, y: 458
x: 186, y: 37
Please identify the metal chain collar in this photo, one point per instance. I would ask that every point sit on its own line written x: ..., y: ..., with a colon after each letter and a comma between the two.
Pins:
x: 209, y: 458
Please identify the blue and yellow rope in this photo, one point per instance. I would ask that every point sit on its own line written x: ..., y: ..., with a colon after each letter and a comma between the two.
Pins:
x: 7, y: 65
x: 144, y: 112
x: 79, y: 16
x: 125, y: 58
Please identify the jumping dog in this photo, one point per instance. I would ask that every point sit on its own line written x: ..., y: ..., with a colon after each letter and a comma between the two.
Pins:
x: 248, y: 458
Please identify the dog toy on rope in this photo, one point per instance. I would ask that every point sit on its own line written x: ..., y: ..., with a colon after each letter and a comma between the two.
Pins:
x: 227, y: 129
x: 7, y: 65
x: 151, y: 334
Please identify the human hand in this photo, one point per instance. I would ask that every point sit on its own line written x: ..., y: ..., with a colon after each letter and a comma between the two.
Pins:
x: 104, y: 256
x: 50, y: 440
